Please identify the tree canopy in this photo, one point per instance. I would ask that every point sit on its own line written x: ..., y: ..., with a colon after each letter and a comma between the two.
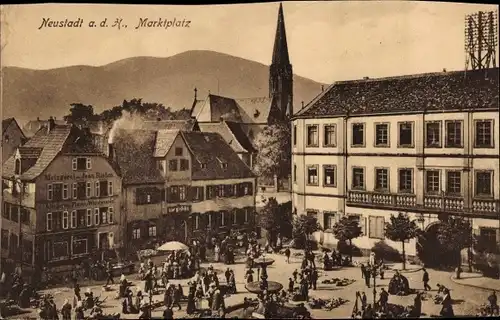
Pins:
x: 275, y: 218
x: 274, y: 151
x: 80, y: 113
x: 303, y: 227
x: 401, y: 229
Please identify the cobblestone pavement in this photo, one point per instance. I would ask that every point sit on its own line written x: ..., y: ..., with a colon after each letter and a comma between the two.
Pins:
x: 467, y: 299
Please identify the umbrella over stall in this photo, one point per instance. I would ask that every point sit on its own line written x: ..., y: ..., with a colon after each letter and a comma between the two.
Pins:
x: 173, y: 246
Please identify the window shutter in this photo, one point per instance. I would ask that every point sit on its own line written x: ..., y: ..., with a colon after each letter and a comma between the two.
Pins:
x: 89, y: 163
x: 74, y: 164
x: 381, y: 227
x: 201, y: 193
x: 110, y: 215
x: 97, y: 189
x: 372, y: 227
x: 325, y: 220
x: 163, y: 195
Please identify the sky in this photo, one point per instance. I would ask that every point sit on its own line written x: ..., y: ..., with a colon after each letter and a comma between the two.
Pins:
x: 328, y: 41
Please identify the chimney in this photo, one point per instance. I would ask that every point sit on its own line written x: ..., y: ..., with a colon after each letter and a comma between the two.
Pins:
x: 51, y: 125
x: 195, y: 93
x: 37, y: 118
x: 444, y: 69
x: 302, y: 104
x: 322, y: 88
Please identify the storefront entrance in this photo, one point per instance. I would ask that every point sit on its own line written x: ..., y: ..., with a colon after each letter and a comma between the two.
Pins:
x: 175, y: 229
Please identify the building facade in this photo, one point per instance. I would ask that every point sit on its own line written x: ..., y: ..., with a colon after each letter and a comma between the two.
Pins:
x: 180, y: 185
x: 62, y: 201
x: 423, y: 144
x: 12, y: 137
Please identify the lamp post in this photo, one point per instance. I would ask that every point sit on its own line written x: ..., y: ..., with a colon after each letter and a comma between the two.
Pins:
x: 374, y: 276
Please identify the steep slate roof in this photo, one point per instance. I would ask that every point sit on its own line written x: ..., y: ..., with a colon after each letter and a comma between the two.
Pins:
x: 245, y: 110
x: 210, y: 149
x: 477, y: 89
x: 225, y: 132
x: 134, y: 151
x: 239, y: 132
x: 50, y: 143
x: 164, y: 141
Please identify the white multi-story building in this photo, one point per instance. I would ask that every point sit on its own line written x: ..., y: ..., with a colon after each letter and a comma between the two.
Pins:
x: 422, y: 144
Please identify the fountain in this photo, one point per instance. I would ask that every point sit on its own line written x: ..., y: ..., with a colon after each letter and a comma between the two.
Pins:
x: 263, y: 284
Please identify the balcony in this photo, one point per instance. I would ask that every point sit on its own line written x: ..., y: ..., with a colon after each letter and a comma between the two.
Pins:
x: 432, y: 203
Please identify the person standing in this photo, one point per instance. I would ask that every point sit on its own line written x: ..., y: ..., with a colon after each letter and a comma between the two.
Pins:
x: 383, y: 300
x: 176, y: 293
x: 367, y: 277
x: 291, y: 285
x: 109, y: 271
x: 364, y: 300
x: 425, y: 280
x: 287, y: 255
x: 314, y: 278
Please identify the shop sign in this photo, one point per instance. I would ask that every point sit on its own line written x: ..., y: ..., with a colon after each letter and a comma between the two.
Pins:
x: 78, y: 176
x: 186, y: 208
x: 78, y: 204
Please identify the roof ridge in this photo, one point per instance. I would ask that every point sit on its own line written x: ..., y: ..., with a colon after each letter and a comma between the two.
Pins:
x: 413, y: 76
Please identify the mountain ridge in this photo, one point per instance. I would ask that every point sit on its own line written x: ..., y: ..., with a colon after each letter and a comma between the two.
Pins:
x: 30, y: 93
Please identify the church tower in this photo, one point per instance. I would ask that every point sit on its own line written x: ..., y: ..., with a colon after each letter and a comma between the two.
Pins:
x: 281, y: 75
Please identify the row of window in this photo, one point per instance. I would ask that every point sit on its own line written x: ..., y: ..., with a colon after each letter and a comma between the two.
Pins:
x: 483, y: 180
x: 174, y: 194
x: 11, y: 212
x: 62, y: 249
x: 376, y: 225
x: 81, y: 163
x: 64, y: 220
x: 79, y: 190
x: 203, y: 221
x: 10, y: 242
x: 452, y: 135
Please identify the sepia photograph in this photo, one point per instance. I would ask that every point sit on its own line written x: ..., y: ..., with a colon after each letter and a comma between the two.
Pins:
x: 264, y: 160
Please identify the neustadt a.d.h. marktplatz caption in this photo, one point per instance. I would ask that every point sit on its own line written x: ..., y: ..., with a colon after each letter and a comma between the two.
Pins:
x: 119, y: 23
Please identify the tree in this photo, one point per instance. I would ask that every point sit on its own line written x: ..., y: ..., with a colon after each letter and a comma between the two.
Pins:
x: 80, y: 114
x: 454, y: 234
x: 347, y: 229
x: 275, y: 219
x: 274, y: 153
x: 401, y: 229
x: 303, y: 227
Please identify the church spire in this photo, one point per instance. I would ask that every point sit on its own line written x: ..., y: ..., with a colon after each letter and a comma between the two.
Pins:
x: 280, y: 75
x: 280, y: 50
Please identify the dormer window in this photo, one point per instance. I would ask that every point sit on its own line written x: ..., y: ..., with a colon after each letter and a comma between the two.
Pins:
x: 18, y: 166
x: 203, y: 165
x: 256, y: 114
x: 223, y: 164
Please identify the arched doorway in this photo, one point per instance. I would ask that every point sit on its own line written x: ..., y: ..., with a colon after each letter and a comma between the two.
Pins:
x: 431, y: 252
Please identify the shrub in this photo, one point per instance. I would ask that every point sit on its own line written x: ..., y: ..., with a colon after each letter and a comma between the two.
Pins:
x: 386, y: 252
x: 344, y: 248
x: 487, y: 264
x: 415, y: 260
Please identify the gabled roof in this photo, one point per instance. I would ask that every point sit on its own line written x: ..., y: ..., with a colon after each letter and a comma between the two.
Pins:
x: 245, y: 110
x: 164, y: 141
x: 51, y: 144
x: 456, y: 90
x: 7, y: 122
x: 133, y: 152
x: 210, y: 149
x: 225, y: 132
